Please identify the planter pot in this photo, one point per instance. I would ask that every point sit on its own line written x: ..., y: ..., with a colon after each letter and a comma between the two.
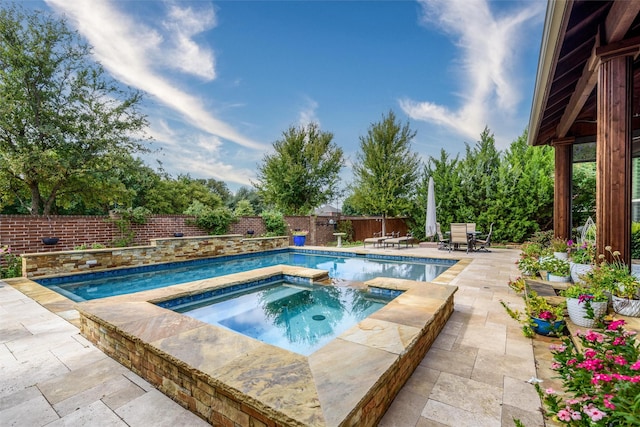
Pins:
x: 299, y: 240
x: 554, y: 278
x: 626, y: 307
x: 578, y: 270
x: 50, y: 240
x: 578, y: 311
x: 561, y: 255
x: 544, y: 327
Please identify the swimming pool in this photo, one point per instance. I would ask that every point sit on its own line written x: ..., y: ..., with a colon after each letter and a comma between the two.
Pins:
x: 294, y: 316
x: 341, y: 266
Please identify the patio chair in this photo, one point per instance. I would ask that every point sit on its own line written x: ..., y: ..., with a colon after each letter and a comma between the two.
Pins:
x: 459, y: 236
x: 483, y: 244
x: 442, y: 242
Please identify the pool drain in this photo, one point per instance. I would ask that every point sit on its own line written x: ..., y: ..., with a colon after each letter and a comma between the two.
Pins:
x: 318, y: 317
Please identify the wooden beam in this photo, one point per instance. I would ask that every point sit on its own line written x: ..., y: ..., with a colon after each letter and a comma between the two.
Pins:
x: 618, y: 21
x: 584, y: 87
x: 620, y: 18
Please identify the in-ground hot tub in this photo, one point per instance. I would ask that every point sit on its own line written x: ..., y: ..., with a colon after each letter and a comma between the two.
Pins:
x: 226, y: 377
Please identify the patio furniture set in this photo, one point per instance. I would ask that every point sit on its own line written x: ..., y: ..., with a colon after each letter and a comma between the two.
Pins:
x: 464, y: 234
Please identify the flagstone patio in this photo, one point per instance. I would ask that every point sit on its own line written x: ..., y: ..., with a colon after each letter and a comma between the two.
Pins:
x: 475, y: 374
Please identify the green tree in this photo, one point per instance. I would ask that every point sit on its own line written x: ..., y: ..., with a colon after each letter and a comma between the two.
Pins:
x: 583, y: 192
x: 386, y: 170
x: 244, y: 208
x: 303, y: 172
x: 479, y: 180
x: 63, y: 123
x: 524, y: 200
x: 450, y: 200
x: 250, y: 194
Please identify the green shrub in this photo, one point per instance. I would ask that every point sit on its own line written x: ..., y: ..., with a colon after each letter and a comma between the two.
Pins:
x: 10, y: 263
x: 635, y: 240
x: 274, y: 223
x: 346, y: 227
x: 214, y: 220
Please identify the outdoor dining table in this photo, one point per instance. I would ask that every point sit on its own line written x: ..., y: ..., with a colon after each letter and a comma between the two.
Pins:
x: 471, y: 238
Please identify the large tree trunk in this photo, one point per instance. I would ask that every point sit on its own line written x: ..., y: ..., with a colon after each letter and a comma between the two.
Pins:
x: 36, y: 199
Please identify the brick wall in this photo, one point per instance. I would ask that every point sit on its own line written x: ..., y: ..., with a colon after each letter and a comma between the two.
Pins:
x: 24, y: 233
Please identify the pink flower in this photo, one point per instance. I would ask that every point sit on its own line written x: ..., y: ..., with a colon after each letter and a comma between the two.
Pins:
x: 619, y: 341
x: 590, y: 353
x: 607, y: 401
x: 583, y: 298
x: 615, y: 325
x: 593, y: 336
x: 575, y: 415
x: 558, y: 347
x: 601, y: 377
x: 564, y: 415
x: 545, y: 315
x: 550, y: 391
x: 635, y: 366
x: 620, y: 360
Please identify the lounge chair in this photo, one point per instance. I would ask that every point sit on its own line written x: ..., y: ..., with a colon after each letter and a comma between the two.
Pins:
x: 377, y: 239
x: 406, y: 241
x: 483, y: 244
x: 459, y: 236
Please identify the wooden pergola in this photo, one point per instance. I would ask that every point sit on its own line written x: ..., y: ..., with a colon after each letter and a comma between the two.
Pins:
x: 587, y: 90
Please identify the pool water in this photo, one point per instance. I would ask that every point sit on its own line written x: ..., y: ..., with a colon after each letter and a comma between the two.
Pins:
x: 295, y: 317
x: 351, y: 268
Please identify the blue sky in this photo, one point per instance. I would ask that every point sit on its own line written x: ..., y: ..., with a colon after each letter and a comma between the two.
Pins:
x: 224, y: 79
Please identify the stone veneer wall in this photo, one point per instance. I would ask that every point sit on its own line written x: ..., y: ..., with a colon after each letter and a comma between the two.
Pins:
x: 213, y: 402
x: 193, y: 390
x: 160, y: 251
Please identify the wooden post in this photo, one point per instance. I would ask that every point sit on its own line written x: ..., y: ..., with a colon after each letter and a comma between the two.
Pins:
x: 613, y: 154
x: 562, y: 188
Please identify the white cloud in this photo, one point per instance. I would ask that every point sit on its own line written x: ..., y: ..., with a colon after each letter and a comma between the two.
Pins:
x: 185, y: 54
x: 487, y: 44
x: 308, y: 114
x: 197, y: 154
x: 131, y: 52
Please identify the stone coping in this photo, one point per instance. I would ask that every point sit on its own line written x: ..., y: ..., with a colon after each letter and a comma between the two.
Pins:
x: 350, y: 381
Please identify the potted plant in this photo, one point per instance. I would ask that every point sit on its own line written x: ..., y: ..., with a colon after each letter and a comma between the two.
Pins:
x: 581, y: 259
x: 615, y: 276
x: 558, y: 270
x: 539, y: 315
x: 299, y: 237
x: 529, y: 262
x: 560, y: 248
x: 586, y: 305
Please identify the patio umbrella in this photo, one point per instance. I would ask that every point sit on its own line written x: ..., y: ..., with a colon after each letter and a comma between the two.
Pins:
x: 430, y: 226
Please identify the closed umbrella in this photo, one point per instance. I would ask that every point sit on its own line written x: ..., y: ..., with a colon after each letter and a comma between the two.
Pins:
x: 430, y: 226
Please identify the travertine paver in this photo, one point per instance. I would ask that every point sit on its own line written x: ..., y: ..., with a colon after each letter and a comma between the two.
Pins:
x: 456, y: 384
x: 51, y: 376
